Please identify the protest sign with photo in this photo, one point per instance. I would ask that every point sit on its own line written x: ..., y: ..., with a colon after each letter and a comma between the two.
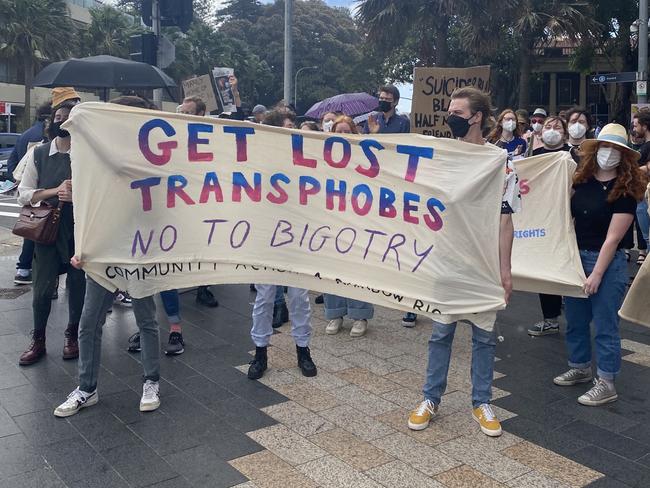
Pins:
x: 402, y: 221
x: 224, y: 90
x: 545, y: 256
x: 201, y: 86
x: 432, y: 89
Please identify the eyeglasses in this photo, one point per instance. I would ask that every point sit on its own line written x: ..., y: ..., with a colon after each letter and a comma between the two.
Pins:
x: 384, y: 99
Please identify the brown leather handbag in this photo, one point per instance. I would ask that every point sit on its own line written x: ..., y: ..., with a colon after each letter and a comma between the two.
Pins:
x: 39, y: 224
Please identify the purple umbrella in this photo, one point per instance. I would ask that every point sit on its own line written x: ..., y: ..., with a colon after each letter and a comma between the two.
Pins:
x: 349, y: 103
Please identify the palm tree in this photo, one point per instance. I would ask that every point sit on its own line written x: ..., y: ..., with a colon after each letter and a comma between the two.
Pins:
x: 389, y: 22
x: 539, y: 22
x: 108, y: 33
x: 33, y: 31
x: 482, y: 28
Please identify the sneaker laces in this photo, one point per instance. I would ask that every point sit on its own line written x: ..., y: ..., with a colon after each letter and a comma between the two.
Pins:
x: 175, y: 338
x: 150, y: 390
x: 424, y: 407
x: 76, y: 397
x: 488, y: 413
x: 134, y: 338
x: 599, y: 387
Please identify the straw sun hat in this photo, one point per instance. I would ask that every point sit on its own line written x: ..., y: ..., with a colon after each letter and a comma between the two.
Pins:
x: 616, y: 135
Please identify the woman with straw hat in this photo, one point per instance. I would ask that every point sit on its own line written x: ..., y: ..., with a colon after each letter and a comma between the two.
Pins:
x: 606, y: 189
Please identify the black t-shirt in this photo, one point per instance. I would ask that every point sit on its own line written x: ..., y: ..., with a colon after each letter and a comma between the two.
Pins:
x: 543, y: 150
x: 593, y: 214
x: 644, y: 149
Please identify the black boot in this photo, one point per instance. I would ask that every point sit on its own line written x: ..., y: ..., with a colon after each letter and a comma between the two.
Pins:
x: 305, y: 362
x: 258, y: 365
x: 280, y: 315
x: 205, y: 297
x: 320, y: 299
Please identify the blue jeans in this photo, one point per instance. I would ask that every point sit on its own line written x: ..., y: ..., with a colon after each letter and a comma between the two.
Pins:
x: 98, y: 300
x: 338, y: 307
x: 299, y: 313
x: 601, y: 308
x: 26, y: 255
x: 172, y: 306
x: 644, y: 220
x: 279, y: 295
x: 483, y: 349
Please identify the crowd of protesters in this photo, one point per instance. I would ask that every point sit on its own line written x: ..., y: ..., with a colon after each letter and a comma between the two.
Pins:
x: 607, y: 205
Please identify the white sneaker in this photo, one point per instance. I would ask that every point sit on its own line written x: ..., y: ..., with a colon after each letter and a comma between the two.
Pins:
x: 334, y: 326
x: 150, y: 396
x: 76, y: 401
x: 359, y: 328
x: 602, y: 392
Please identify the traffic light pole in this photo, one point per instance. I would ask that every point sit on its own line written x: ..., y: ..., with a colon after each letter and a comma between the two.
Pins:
x: 288, y: 50
x: 155, y: 24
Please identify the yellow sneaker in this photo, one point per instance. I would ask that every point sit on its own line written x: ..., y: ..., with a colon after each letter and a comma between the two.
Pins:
x: 488, y: 421
x: 420, y: 417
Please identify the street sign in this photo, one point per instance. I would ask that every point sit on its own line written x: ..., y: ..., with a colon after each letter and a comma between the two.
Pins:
x: 5, y: 108
x: 626, y: 77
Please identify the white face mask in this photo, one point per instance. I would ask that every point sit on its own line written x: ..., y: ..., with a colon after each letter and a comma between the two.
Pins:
x: 577, y: 130
x: 327, y: 125
x: 552, y: 137
x: 537, y: 127
x: 608, y: 157
x: 509, y: 125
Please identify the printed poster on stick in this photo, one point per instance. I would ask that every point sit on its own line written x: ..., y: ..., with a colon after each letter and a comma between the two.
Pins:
x: 201, y: 87
x: 224, y: 90
x: 432, y: 89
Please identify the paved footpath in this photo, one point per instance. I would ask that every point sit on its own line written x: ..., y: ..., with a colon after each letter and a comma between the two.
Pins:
x: 344, y: 428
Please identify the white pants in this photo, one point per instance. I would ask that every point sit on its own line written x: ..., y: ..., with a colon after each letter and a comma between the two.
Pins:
x: 299, y: 314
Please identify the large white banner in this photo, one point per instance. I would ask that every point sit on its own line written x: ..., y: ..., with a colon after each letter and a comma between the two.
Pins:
x: 545, y: 256
x: 168, y: 201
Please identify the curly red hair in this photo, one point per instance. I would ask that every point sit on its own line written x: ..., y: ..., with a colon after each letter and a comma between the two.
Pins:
x: 630, y: 181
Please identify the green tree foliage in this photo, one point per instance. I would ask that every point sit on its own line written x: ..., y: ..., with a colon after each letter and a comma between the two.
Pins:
x: 323, y: 36
x: 32, y: 32
x: 454, y: 33
x: 108, y: 33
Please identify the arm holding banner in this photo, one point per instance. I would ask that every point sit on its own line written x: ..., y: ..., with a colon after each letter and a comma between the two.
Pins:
x: 617, y: 228
x: 235, y: 90
x: 506, y: 236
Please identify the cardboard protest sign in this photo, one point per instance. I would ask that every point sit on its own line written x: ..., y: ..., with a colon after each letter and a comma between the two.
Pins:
x: 167, y: 201
x: 545, y: 256
x: 432, y: 89
x: 224, y: 90
x: 201, y: 87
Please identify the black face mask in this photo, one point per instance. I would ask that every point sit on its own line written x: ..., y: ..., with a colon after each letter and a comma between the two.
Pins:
x: 459, y: 126
x: 385, y: 106
x: 58, y: 131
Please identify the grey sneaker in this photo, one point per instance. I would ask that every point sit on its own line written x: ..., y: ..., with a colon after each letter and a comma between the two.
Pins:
x: 599, y: 394
x: 573, y: 377
x: 545, y: 327
x: 175, y: 346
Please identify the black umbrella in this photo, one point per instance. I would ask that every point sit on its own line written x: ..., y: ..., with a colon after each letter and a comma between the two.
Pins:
x: 103, y: 72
